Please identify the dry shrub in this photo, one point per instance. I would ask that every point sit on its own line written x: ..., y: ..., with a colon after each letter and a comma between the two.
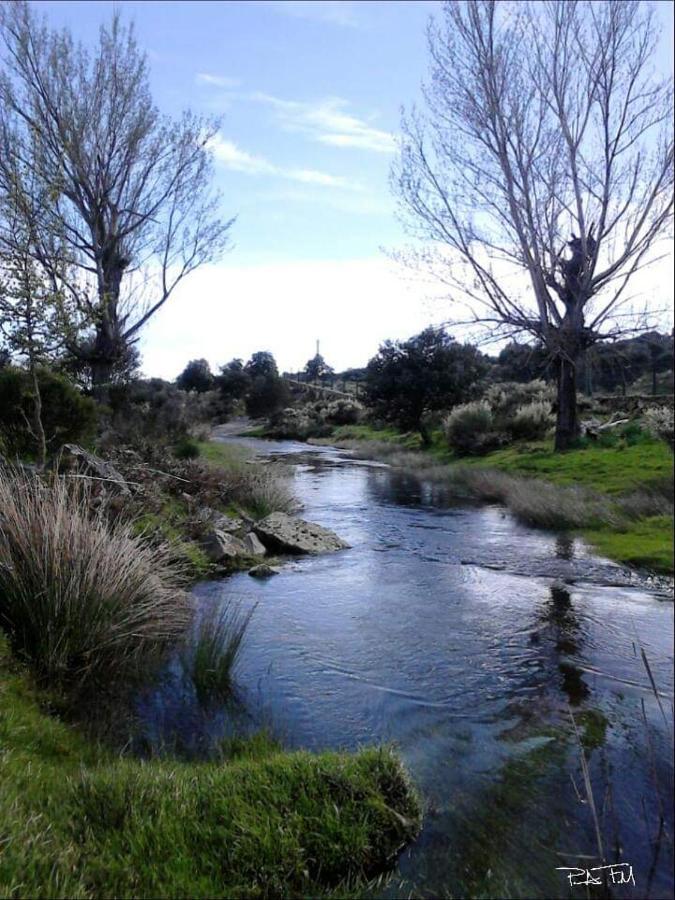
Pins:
x: 471, y: 429
x: 531, y: 421
x: 85, y: 601
x: 659, y: 423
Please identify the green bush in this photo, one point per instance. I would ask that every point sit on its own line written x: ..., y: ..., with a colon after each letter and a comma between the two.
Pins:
x: 67, y: 415
x: 186, y: 447
x: 470, y: 429
x: 344, y: 412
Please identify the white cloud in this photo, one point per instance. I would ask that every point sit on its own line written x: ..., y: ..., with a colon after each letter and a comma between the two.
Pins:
x: 327, y: 122
x: 217, y: 80
x: 238, y: 160
x: 234, y: 158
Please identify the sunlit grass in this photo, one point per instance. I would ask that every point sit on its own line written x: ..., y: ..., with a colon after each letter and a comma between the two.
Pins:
x: 77, y: 821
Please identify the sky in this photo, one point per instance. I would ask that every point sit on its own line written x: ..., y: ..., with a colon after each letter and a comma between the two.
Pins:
x: 310, y: 92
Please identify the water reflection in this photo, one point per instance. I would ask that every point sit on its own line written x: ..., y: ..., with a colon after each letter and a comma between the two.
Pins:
x: 448, y: 631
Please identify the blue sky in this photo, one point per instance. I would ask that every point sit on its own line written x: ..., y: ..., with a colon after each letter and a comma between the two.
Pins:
x: 311, y: 95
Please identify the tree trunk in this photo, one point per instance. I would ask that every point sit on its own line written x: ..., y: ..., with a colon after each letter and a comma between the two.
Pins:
x: 567, y: 423
x: 425, y: 434
x: 37, y: 419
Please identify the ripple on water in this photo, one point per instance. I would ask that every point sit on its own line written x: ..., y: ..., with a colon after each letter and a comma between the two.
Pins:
x: 470, y: 641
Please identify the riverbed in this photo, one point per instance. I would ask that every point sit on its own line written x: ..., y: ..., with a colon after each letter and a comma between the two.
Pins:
x: 525, y: 682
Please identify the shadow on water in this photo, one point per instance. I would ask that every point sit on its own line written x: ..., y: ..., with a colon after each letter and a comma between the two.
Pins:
x: 468, y: 641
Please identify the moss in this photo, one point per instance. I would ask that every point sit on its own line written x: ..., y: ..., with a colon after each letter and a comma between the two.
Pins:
x: 76, y: 821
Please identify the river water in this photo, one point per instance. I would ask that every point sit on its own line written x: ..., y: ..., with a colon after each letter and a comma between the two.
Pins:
x: 493, y: 656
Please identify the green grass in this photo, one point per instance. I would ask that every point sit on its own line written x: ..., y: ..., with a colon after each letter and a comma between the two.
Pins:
x: 225, y: 455
x: 168, y: 524
x: 648, y: 543
x: 409, y: 441
x: 608, y: 470
x: 211, y: 658
x: 76, y: 821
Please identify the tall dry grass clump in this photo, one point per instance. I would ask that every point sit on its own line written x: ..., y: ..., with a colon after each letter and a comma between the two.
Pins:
x: 259, y: 489
x: 86, y: 602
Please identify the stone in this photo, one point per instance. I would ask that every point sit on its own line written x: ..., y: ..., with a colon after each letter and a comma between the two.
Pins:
x: 76, y: 460
x: 289, y: 534
x: 263, y: 571
x: 219, y: 520
x: 254, y: 545
x: 220, y: 546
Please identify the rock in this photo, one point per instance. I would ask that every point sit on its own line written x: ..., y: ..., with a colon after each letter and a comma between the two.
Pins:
x: 254, y: 545
x: 219, y: 546
x: 263, y: 571
x: 219, y: 520
x: 74, y: 459
x: 288, y: 534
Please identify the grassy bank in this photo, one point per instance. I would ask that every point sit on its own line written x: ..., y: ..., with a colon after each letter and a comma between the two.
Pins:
x: 619, y: 497
x: 76, y: 821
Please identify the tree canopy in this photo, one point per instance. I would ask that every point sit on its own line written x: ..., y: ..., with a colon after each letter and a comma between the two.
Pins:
x: 407, y: 380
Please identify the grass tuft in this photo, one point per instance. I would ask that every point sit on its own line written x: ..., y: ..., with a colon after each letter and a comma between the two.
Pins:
x: 88, y: 603
x: 211, y: 659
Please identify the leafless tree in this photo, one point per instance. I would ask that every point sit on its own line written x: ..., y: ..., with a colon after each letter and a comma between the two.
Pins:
x: 545, y: 150
x: 129, y: 191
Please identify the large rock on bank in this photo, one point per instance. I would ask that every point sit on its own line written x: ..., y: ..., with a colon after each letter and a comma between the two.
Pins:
x: 288, y: 534
x: 220, y: 546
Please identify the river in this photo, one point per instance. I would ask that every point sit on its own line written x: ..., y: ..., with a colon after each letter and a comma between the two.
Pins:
x: 491, y: 655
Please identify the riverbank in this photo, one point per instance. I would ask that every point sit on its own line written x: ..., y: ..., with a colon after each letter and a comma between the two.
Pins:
x: 619, y: 498
x: 80, y: 821
x: 79, y: 816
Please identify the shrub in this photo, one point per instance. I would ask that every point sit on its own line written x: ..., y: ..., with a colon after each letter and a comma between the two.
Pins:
x: 150, y: 411
x: 67, y: 415
x: 186, y: 448
x: 659, y: 423
x: 470, y: 429
x: 344, y: 412
x: 532, y: 421
x: 86, y: 602
x: 299, y: 424
x: 506, y: 397
x: 211, y: 660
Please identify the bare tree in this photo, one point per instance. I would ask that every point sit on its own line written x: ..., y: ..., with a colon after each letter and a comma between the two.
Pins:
x: 129, y: 195
x: 545, y: 151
